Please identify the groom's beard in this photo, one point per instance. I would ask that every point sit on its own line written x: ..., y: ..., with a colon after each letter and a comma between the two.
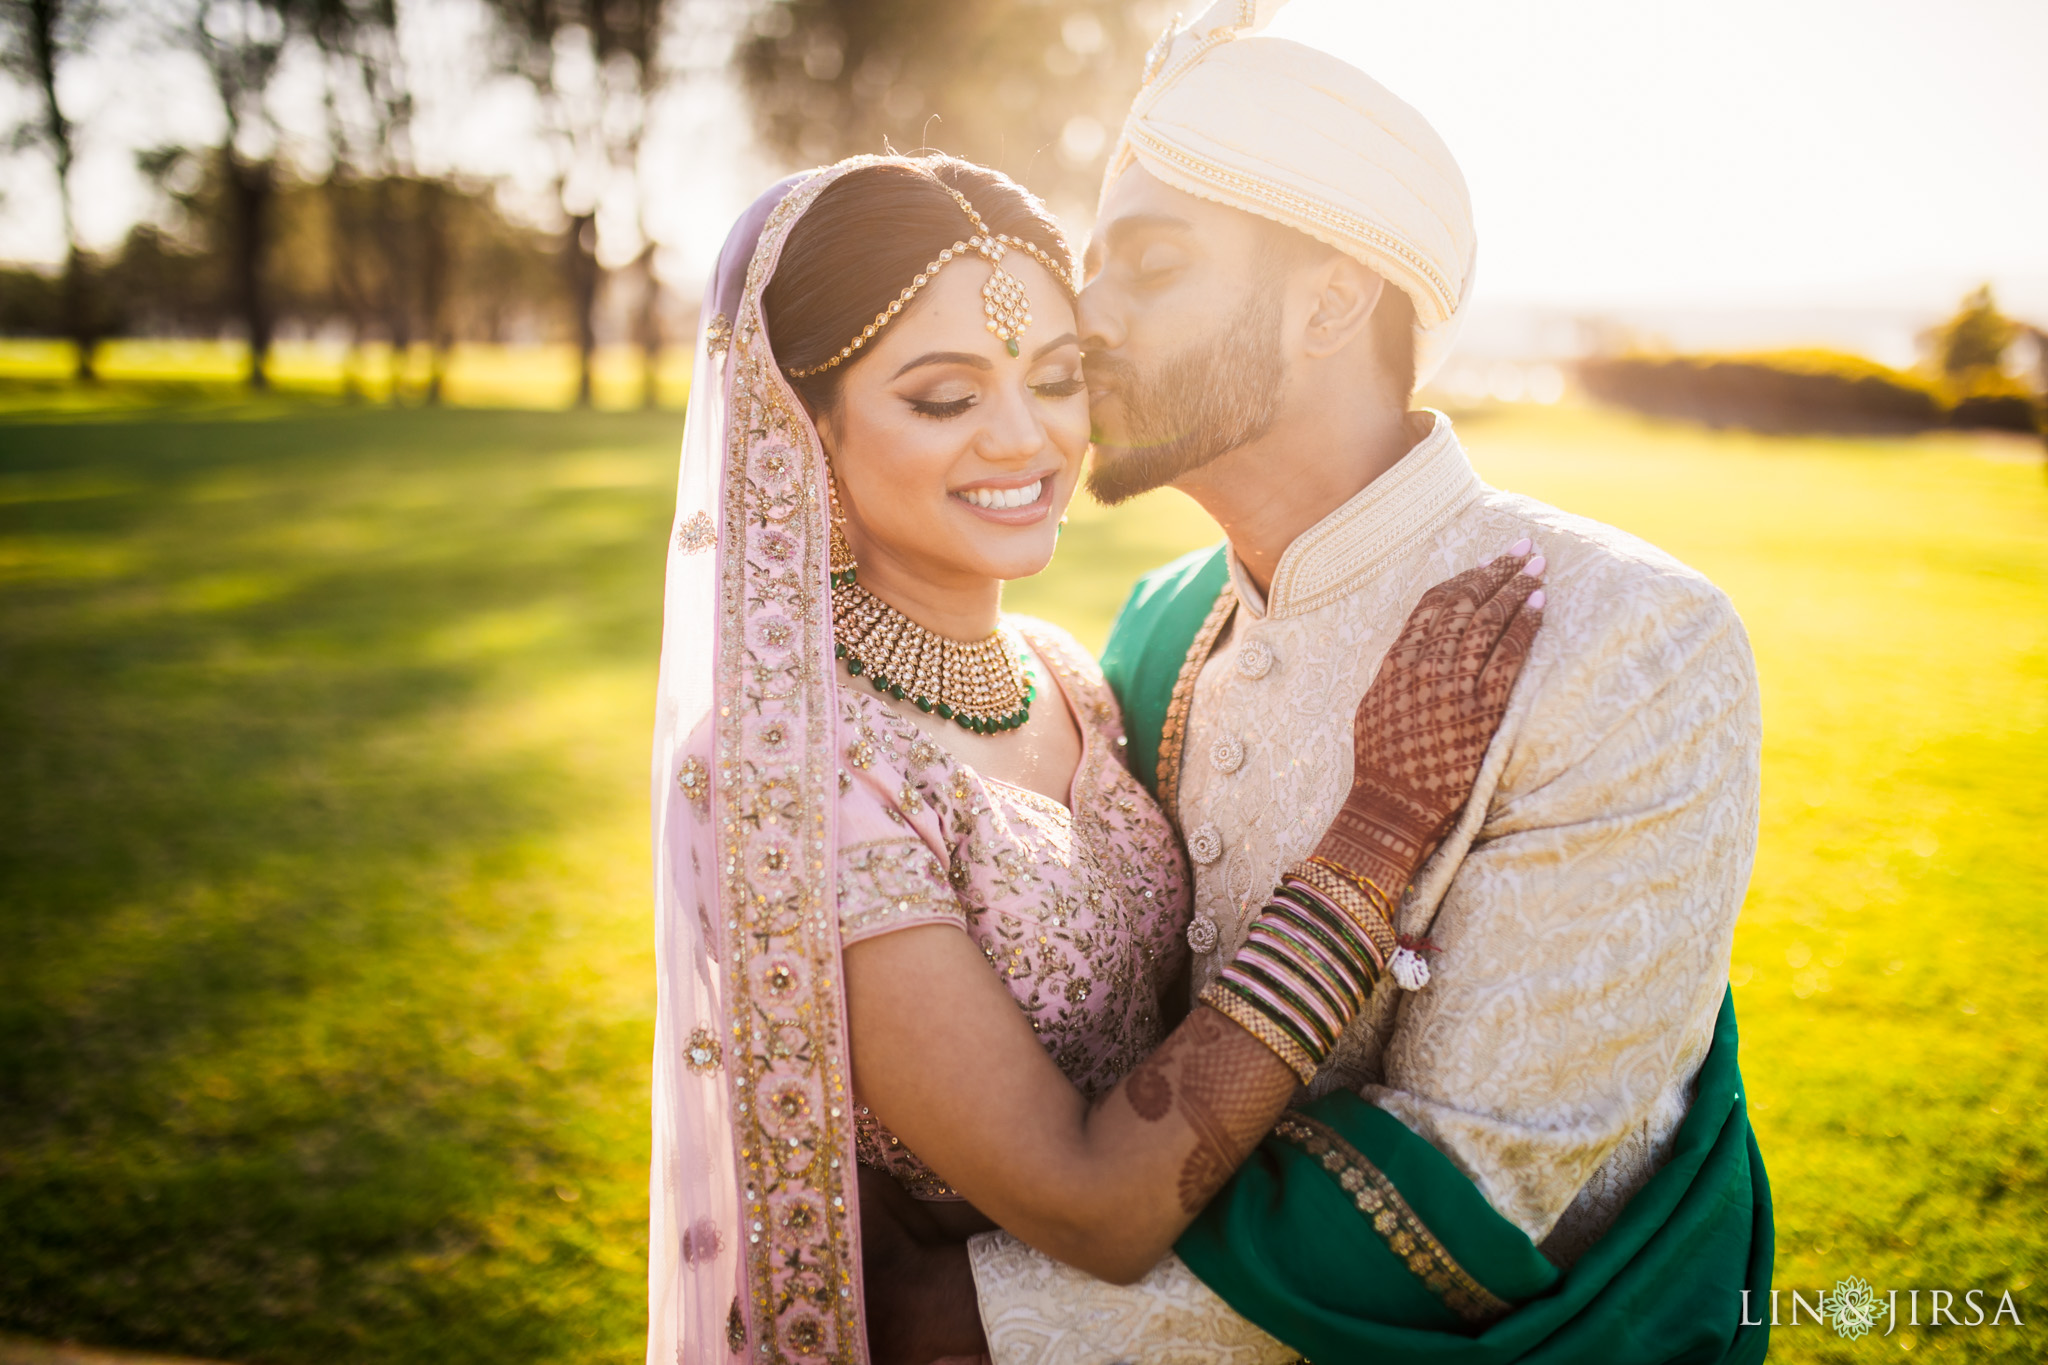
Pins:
x: 1205, y: 401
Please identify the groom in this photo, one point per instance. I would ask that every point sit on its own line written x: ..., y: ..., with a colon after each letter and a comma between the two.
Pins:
x: 1540, y: 1153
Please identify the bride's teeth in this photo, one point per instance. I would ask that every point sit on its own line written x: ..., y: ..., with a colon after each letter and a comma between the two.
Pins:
x: 996, y: 498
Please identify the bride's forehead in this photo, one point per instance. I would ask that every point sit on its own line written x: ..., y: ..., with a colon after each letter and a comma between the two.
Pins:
x: 952, y: 304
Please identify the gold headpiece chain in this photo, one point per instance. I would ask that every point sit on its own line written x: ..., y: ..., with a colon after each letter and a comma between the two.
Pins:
x: 1002, y: 298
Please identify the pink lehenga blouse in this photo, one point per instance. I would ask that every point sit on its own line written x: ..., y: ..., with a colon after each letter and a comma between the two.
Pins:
x: 1082, y: 909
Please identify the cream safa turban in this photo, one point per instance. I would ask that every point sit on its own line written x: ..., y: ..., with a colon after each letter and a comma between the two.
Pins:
x: 1281, y: 130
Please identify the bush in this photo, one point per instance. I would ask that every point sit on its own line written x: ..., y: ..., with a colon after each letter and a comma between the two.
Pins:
x: 1785, y: 392
x: 1798, y: 391
x: 1998, y: 412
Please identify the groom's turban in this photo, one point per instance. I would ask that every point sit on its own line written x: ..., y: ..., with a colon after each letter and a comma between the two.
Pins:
x: 1294, y: 135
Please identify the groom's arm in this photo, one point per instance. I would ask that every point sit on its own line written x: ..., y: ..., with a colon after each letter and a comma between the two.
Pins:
x: 1585, y: 927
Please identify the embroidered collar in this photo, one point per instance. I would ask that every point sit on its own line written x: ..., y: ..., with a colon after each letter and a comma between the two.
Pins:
x: 1381, y: 522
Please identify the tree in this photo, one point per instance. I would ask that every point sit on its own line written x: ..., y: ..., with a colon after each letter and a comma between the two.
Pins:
x: 39, y: 36
x: 1971, y: 346
x: 1032, y: 89
x: 402, y: 218
x: 241, y: 43
x: 596, y: 66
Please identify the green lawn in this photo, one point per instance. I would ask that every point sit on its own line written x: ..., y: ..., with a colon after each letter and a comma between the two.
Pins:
x: 325, y: 965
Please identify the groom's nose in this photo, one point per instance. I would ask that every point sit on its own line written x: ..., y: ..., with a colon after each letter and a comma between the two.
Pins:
x: 1101, y: 323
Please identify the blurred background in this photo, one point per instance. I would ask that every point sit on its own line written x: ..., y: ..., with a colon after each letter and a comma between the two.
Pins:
x: 343, y: 347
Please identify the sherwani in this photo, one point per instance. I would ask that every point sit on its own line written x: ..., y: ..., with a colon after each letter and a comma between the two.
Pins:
x: 1584, y: 905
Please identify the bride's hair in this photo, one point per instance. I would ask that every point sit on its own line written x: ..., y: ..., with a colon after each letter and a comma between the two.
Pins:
x: 869, y: 234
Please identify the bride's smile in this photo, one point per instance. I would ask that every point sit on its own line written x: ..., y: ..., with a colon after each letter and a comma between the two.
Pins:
x: 956, y: 459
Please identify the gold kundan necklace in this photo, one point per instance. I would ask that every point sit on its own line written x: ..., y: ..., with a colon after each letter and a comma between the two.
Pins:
x: 979, y: 685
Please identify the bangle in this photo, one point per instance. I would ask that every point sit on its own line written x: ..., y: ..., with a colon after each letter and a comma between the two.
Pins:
x: 1225, y: 1002
x: 1360, y: 898
x: 1307, y: 966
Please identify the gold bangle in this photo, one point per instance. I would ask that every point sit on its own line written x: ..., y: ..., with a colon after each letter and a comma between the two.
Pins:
x: 1357, y: 897
x: 1242, y: 1014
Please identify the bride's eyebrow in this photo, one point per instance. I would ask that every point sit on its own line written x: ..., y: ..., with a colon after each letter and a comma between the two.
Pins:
x: 1064, y: 339
x: 980, y: 362
x: 944, y: 358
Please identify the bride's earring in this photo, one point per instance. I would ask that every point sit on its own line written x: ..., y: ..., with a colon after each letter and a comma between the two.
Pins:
x: 840, y: 549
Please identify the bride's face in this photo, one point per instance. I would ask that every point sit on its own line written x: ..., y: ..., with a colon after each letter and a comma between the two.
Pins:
x: 956, y: 459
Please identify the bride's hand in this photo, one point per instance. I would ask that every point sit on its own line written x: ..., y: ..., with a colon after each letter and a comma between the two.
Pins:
x: 1429, y: 716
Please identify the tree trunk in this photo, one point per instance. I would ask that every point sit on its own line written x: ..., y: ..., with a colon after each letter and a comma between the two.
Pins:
x: 434, y: 271
x: 80, y: 314
x: 579, y: 258
x: 649, y: 328
x: 394, y: 243
x: 249, y: 187
x: 80, y: 320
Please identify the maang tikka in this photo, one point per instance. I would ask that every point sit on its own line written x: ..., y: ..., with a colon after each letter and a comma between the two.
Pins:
x: 1003, y: 300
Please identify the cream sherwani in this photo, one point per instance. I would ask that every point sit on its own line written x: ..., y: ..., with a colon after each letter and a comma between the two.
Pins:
x: 1584, y: 905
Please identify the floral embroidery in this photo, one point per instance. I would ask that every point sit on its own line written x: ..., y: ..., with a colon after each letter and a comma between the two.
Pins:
x: 701, y: 1053
x: 694, y: 777
x: 1398, y: 1225
x: 695, y: 536
x: 1082, y: 913
x: 771, y: 744
x: 886, y: 885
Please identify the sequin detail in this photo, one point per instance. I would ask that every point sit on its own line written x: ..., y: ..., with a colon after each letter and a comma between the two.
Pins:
x: 1081, y: 913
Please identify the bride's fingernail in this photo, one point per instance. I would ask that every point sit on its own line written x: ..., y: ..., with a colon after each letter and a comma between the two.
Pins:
x: 1520, y: 547
x: 1536, y: 599
x: 1535, y: 566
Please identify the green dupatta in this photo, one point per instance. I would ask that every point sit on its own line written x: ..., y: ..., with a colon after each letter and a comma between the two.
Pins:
x: 1350, y: 1238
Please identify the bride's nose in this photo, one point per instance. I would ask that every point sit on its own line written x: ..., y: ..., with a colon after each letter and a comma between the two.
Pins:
x: 1013, y: 432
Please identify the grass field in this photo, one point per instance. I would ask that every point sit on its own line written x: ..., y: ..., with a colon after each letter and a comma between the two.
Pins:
x: 143, y: 373
x: 325, y: 972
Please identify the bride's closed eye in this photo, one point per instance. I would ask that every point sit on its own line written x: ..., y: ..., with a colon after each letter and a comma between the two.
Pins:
x: 1060, y: 388
x: 940, y: 408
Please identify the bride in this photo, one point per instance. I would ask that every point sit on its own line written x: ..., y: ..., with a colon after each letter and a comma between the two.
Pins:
x: 921, y: 934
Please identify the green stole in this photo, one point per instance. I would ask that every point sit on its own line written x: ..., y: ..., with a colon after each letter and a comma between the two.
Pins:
x: 1350, y: 1238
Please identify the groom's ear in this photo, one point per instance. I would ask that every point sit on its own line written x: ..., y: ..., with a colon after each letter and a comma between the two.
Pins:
x: 1345, y: 296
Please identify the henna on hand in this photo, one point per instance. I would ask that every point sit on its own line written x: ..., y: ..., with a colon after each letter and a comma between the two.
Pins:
x: 1425, y: 724
x: 1222, y: 1089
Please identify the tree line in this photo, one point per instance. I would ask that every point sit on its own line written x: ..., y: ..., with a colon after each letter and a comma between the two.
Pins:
x: 365, y: 230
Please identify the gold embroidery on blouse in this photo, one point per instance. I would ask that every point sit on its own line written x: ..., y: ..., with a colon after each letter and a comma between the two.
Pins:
x: 1071, y: 896
x: 888, y: 880
x: 1405, y: 1234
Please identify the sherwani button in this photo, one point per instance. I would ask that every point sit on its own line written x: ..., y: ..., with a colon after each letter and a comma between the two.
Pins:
x: 1227, y: 755
x: 1254, y: 659
x: 1205, y: 844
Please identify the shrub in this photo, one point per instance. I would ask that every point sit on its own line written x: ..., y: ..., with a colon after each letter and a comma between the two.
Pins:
x: 1798, y: 391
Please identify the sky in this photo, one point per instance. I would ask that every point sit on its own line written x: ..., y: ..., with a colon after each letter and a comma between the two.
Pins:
x: 1758, y: 153
x: 1622, y: 154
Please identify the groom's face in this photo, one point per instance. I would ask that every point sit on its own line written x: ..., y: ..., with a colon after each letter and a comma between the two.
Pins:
x: 1180, y: 323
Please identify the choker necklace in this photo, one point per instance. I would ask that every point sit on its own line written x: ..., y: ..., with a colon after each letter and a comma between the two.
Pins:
x: 979, y: 685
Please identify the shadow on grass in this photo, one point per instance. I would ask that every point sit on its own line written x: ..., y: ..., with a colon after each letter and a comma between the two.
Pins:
x: 324, y: 1010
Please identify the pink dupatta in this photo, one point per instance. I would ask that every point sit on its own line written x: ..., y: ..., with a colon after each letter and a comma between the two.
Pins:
x: 754, y: 1233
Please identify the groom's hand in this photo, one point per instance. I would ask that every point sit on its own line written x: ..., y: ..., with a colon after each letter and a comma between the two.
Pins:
x: 921, y: 1304
x: 1429, y: 716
